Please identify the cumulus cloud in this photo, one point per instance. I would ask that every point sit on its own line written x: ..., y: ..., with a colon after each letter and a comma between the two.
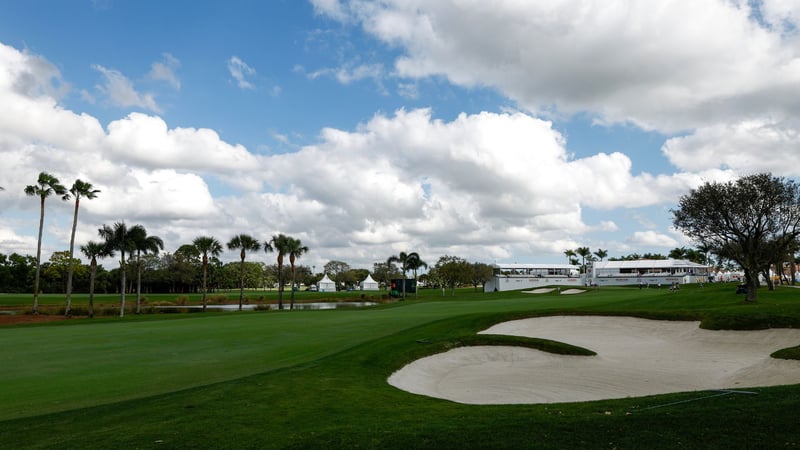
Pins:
x: 120, y: 90
x: 240, y: 71
x: 483, y: 184
x: 649, y: 239
x: 665, y: 65
x: 745, y: 147
x: 137, y: 186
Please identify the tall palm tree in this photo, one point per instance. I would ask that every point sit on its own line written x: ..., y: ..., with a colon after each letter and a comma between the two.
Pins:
x: 584, y: 253
x: 405, y: 260
x: 94, y: 250
x: 79, y: 189
x: 416, y: 263
x: 143, y: 244
x: 282, y: 245
x: 118, y: 238
x: 601, y: 254
x: 244, y: 242
x: 296, y: 250
x: 206, y: 245
x: 46, y: 185
x: 570, y: 254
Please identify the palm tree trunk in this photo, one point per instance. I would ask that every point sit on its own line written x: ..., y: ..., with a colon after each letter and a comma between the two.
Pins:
x: 138, y: 283
x: 416, y: 295
x: 92, y: 275
x: 38, y: 261
x: 241, y: 284
x: 404, y: 283
x: 71, y: 249
x: 280, y: 285
x: 205, y: 266
x: 122, y: 285
x: 291, y: 302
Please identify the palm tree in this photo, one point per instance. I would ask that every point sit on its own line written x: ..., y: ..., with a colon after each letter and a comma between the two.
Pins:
x: 143, y: 244
x: 601, y: 254
x: 282, y: 245
x: 206, y: 245
x: 584, y: 253
x: 406, y: 260
x: 296, y: 250
x: 570, y: 254
x: 46, y: 185
x: 678, y: 253
x: 79, y: 189
x: 415, y: 263
x: 118, y: 238
x: 94, y: 250
x: 244, y: 242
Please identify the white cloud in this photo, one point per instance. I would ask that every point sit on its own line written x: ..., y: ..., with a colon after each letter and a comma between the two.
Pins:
x: 330, y: 8
x: 147, y: 141
x: 120, y: 90
x: 667, y: 64
x: 240, y: 71
x: 484, y: 184
x: 649, y: 239
x: 781, y: 14
x: 744, y: 147
x: 165, y: 70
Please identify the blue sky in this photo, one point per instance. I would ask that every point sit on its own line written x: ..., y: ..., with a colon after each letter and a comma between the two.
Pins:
x: 502, y: 131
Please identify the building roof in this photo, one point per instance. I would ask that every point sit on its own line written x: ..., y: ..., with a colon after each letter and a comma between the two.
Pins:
x: 512, y: 266
x: 649, y: 264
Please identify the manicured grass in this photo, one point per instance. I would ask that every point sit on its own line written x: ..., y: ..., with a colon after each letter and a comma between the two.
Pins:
x: 317, y: 379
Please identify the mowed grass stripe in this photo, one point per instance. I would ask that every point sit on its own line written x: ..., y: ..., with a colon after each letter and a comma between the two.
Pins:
x: 55, y: 368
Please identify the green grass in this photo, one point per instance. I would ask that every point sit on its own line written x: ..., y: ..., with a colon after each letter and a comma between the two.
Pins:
x: 317, y: 379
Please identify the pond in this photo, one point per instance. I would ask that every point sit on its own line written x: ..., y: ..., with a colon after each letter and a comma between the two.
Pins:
x: 274, y: 306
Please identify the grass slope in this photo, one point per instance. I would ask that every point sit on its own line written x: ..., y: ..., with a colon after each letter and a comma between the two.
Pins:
x: 318, y: 379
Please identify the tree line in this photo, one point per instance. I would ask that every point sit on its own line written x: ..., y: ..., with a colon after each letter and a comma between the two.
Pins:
x: 139, y: 260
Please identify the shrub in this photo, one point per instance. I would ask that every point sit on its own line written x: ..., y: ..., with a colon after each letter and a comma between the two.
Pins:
x: 217, y: 298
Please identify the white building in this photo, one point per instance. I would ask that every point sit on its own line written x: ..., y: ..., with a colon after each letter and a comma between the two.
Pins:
x: 510, y: 277
x: 646, y: 271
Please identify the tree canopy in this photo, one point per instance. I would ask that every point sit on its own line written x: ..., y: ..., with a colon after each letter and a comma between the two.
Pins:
x: 752, y: 221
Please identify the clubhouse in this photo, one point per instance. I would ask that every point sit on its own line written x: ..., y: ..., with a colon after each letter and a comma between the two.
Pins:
x: 647, y: 272
x: 654, y: 272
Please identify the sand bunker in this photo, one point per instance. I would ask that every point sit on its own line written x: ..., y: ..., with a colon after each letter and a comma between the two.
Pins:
x: 573, y: 291
x: 635, y: 357
x: 539, y: 291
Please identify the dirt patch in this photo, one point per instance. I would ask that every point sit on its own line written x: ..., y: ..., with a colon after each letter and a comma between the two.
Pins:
x: 16, y: 319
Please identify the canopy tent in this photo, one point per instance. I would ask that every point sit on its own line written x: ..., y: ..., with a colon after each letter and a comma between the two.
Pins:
x: 326, y: 284
x: 369, y: 284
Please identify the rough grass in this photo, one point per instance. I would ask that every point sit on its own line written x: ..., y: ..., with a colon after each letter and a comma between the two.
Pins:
x: 317, y: 379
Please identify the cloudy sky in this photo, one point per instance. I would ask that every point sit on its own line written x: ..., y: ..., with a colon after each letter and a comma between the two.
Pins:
x: 500, y: 131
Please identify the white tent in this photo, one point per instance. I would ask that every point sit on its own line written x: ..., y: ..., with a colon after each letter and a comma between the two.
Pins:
x: 369, y: 284
x: 326, y: 285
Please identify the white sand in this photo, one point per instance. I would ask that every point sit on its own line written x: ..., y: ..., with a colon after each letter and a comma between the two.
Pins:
x: 635, y: 357
x: 539, y: 291
x: 573, y: 291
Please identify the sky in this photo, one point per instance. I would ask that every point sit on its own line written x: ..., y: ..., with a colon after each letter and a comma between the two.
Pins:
x: 500, y: 132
